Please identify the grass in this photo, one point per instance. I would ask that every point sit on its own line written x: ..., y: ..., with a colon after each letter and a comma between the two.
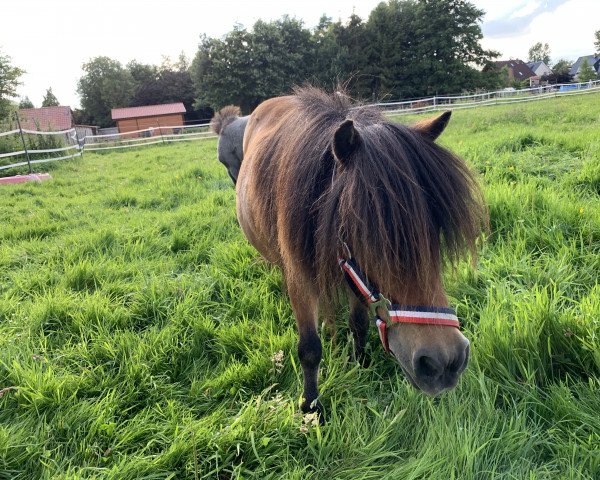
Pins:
x: 139, y: 331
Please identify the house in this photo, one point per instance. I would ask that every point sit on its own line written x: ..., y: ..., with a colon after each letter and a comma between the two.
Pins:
x: 517, y: 70
x: 131, y: 119
x: 539, y: 68
x: 593, y: 61
x: 46, y: 119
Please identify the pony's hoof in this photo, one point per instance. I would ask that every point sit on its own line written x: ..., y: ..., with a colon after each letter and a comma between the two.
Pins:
x: 363, y: 358
x: 314, y: 407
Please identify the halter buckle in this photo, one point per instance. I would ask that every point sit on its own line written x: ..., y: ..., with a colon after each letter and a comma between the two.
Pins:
x: 382, y: 303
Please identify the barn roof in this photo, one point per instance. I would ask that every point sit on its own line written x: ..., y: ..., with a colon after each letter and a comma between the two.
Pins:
x: 46, y: 118
x: 147, y: 111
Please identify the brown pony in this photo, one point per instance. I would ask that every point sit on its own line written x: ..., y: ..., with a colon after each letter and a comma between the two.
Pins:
x: 323, y: 179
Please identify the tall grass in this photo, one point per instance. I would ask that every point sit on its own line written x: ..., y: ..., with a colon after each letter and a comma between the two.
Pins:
x: 140, y: 333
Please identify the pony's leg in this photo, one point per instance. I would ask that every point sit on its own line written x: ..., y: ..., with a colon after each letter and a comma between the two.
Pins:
x: 359, y: 325
x: 327, y: 312
x: 305, y: 307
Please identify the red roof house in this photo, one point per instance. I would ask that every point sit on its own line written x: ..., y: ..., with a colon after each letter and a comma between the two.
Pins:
x: 131, y: 119
x: 46, y: 119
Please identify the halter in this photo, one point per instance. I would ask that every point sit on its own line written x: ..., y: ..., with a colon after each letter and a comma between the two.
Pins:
x: 392, y: 313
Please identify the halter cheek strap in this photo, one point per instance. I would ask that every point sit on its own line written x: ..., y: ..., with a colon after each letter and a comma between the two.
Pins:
x: 392, y: 313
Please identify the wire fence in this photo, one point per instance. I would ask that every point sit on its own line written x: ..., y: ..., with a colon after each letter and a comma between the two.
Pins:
x: 148, y: 136
x: 20, y: 147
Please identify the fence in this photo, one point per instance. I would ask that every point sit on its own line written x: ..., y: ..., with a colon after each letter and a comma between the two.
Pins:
x: 148, y: 136
x: 156, y: 135
x: 28, y: 147
x: 506, y: 96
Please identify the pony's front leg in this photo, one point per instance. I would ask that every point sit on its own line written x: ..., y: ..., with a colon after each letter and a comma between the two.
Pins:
x: 305, y: 307
x: 359, y: 325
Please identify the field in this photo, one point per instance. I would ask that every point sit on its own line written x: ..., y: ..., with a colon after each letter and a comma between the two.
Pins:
x: 141, y: 337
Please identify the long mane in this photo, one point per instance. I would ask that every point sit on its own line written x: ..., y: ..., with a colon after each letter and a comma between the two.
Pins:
x: 402, y: 204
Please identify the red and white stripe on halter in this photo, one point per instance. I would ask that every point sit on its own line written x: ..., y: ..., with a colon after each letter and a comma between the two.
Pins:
x: 429, y: 316
x: 364, y: 289
x: 444, y: 316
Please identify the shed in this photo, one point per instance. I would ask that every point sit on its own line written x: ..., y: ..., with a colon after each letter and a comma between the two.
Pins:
x: 131, y: 119
x: 46, y: 119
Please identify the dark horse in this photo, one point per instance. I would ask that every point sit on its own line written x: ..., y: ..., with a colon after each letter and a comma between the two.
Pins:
x: 230, y: 127
x: 325, y: 183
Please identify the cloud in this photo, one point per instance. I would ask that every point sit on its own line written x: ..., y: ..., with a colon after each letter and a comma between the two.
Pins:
x: 519, y: 19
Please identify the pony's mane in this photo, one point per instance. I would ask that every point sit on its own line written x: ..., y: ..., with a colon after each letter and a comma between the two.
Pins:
x: 224, y: 117
x: 401, y: 203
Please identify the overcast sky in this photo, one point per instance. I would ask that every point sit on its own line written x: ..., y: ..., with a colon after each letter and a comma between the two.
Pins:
x: 52, y: 39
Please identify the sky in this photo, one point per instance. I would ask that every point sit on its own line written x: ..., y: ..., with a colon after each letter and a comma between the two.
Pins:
x: 52, y: 39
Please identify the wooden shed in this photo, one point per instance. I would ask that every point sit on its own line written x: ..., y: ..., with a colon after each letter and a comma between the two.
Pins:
x: 131, y: 119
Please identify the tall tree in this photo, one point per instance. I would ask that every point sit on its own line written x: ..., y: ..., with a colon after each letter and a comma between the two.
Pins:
x: 26, y: 103
x: 9, y: 81
x: 353, y: 57
x: 597, y: 42
x: 223, y: 71
x: 539, y: 52
x: 50, y: 99
x: 560, y: 72
x: 586, y: 72
x: 246, y: 67
x: 327, y: 68
x: 104, y: 85
x: 175, y: 82
x: 146, y: 90
x: 426, y: 47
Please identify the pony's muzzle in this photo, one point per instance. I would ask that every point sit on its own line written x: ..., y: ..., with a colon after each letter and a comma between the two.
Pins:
x: 437, y: 370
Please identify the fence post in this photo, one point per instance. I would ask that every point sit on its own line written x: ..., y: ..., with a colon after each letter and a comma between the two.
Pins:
x: 160, y: 130
x: 23, y: 140
x: 79, y: 146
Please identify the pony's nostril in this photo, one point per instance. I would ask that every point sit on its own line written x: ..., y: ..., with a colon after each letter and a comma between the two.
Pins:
x: 460, y: 361
x: 427, y: 366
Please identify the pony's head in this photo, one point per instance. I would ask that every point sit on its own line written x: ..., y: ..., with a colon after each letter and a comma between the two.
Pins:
x: 230, y: 127
x: 403, y: 206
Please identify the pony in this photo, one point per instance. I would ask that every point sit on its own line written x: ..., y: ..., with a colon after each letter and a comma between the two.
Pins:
x: 230, y: 127
x: 330, y: 190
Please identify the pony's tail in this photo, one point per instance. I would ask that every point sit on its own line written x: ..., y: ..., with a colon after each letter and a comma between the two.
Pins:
x: 224, y: 117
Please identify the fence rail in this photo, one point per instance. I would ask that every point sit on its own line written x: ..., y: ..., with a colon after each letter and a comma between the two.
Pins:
x: 179, y: 133
x: 506, y: 96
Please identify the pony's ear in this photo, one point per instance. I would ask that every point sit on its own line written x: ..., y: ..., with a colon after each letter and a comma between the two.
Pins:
x: 433, y: 127
x: 345, y: 141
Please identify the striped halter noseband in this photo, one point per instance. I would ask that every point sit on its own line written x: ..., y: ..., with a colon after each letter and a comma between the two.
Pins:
x: 380, y: 306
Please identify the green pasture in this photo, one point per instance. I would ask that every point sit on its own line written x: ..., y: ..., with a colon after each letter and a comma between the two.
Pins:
x: 142, y: 337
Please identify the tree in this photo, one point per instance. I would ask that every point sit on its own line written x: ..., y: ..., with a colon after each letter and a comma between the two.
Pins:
x: 560, y: 72
x: 407, y: 48
x: 9, y: 81
x: 223, y: 71
x: 104, y: 85
x: 26, y: 103
x: 146, y: 90
x: 597, y: 42
x: 586, y: 72
x: 539, y: 53
x: 246, y: 67
x: 50, y: 99
x: 424, y: 47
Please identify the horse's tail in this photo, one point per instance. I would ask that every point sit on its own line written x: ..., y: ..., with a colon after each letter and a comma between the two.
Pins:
x: 224, y: 117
